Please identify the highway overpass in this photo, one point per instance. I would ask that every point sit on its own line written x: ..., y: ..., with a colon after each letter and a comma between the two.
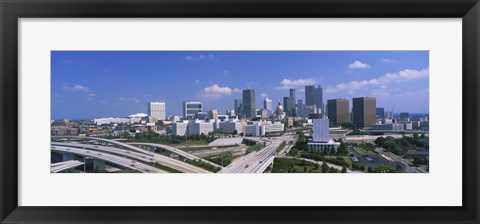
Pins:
x: 65, y: 165
x: 258, y: 161
x: 145, y: 157
x: 121, y: 161
x: 176, y: 151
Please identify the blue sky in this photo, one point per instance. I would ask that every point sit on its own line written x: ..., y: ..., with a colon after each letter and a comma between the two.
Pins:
x: 93, y: 84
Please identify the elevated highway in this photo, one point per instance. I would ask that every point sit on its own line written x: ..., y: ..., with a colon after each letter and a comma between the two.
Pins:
x: 65, y: 165
x: 175, y: 151
x: 146, y: 157
x: 124, y: 162
x: 258, y: 161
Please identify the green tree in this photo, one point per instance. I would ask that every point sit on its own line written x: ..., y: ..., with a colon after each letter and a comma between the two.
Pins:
x: 325, y: 168
x: 380, y: 141
x: 344, y: 169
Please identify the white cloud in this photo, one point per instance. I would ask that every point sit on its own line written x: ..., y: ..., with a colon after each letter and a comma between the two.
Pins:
x: 201, y: 57
x: 264, y: 95
x: 76, y: 88
x: 129, y: 99
x: 358, y: 64
x: 401, y: 76
x: 216, y: 91
x: 382, y: 92
x: 288, y: 83
x: 388, y: 60
x: 416, y: 94
x: 197, y: 81
x: 91, y: 94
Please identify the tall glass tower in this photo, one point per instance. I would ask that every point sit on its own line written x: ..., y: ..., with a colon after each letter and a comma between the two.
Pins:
x: 249, y: 109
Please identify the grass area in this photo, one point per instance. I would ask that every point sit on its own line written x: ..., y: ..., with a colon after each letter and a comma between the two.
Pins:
x: 166, y: 168
x: 204, y: 165
x: 363, y: 151
x: 281, y: 146
x: 256, y: 147
x: 287, y: 165
x: 218, y: 161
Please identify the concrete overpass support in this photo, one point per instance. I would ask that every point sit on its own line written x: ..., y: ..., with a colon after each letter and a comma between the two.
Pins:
x: 98, y: 165
x: 67, y: 156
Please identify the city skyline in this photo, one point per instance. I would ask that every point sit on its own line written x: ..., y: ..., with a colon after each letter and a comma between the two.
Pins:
x: 88, y: 85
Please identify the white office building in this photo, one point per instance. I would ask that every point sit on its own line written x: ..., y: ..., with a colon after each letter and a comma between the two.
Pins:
x: 180, y: 128
x: 253, y: 130
x: 190, y: 109
x: 258, y: 129
x: 134, y: 118
x: 321, y: 131
x: 231, y: 126
x: 156, y: 110
x: 321, y: 136
x: 109, y: 120
x: 193, y: 127
x: 275, y: 127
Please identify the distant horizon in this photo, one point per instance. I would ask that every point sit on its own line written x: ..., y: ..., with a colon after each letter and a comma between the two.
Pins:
x: 97, y: 84
x: 84, y: 119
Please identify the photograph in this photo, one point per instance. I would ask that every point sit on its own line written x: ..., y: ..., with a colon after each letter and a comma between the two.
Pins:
x: 232, y: 111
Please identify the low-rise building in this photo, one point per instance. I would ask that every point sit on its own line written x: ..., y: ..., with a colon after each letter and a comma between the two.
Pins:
x: 387, y: 127
x: 193, y: 127
x: 231, y: 126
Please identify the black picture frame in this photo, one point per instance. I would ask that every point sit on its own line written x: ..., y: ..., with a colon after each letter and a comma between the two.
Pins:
x: 12, y: 10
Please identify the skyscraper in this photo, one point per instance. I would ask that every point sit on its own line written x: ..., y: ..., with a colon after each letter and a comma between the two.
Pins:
x: 249, y: 109
x: 156, y: 110
x: 289, y: 106
x: 190, y: 109
x: 267, y: 105
x: 319, y: 99
x: 314, y: 96
x: 380, y: 112
x: 364, y: 111
x: 292, y: 93
x: 310, y: 95
x: 237, y: 106
x: 338, y: 110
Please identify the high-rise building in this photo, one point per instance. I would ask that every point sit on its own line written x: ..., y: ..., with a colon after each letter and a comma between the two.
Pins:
x: 292, y: 93
x: 300, y: 104
x: 314, y: 96
x: 338, y: 110
x: 156, y: 110
x: 267, y: 105
x: 249, y: 109
x: 237, y: 106
x: 364, y: 111
x: 190, y: 109
x: 310, y: 95
x: 321, y: 131
x: 319, y: 99
x: 380, y: 112
x: 289, y: 106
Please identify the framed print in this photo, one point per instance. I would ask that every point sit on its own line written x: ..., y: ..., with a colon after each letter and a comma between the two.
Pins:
x: 250, y: 112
